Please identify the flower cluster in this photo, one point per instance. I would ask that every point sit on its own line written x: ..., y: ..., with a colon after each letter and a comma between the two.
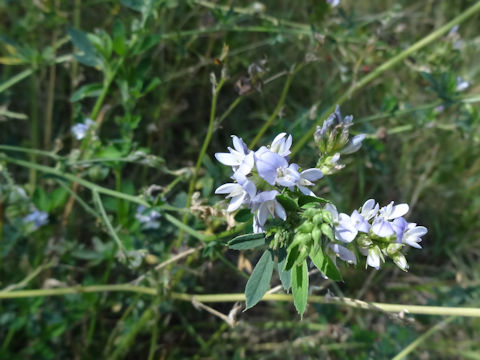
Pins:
x: 80, y: 130
x: 333, y: 139
x: 376, y: 232
x: 260, y: 176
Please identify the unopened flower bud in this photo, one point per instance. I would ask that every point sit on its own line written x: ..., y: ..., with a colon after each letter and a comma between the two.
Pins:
x: 400, y: 261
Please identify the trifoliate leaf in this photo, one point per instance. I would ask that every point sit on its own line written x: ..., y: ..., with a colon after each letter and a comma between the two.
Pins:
x: 300, y: 287
x: 326, y: 265
x: 248, y: 241
x: 259, y: 281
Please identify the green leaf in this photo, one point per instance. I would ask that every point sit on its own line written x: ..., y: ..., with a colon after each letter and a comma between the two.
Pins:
x: 248, y: 241
x: 326, y: 265
x: 300, y: 287
x: 119, y: 40
x: 287, y: 202
x: 259, y: 281
x: 243, y: 215
x: 285, y: 275
x: 89, y: 55
x: 89, y: 90
x: 306, y: 199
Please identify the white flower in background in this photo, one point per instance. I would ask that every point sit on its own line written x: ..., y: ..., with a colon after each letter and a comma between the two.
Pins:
x: 37, y: 218
x: 240, y: 192
x: 263, y: 205
x: 333, y: 3
x: 80, y: 130
x: 462, y: 84
x: 239, y: 158
x: 148, y: 218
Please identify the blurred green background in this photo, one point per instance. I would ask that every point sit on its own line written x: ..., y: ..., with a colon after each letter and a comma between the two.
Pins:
x: 142, y: 70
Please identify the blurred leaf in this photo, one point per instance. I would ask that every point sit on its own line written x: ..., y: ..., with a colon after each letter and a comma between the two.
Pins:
x: 300, y: 287
x: 259, y: 281
x: 119, y: 38
x: 89, y: 90
x: 89, y: 55
x: 248, y: 241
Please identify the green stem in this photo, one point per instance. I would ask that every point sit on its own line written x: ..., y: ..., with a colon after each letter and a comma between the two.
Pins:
x: 206, y: 142
x: 15, y: 79
x: 215, y: 298
x: 279, y: 106
x: 422, y: 338
x: 98, y: 202
x: 384, y: 67
x: 73, y: 178
x: 29, y: 151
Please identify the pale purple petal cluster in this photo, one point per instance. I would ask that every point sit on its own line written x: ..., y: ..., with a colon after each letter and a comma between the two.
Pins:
x: 374, y: 223
x: 37, y: 218
x: 260, y: 176
x: 80, y: 130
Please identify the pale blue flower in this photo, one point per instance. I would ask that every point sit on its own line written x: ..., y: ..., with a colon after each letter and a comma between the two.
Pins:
x: 274, y: 168
x: 239, y: 158
x: 462, y: 84
x: 333, y: 3
x: 240, y: 193
x: 281, y: 145
x: 369, y: 209
x: 354, y: 144
x: 306, y: 178
x: 264, y: 205
x: 80, y: 130
x: 381, y: 225
x: 37, y: 218
x: 345, y: 230
x: 148, y: 218
x: 374, y: 257
x: 408, y: 233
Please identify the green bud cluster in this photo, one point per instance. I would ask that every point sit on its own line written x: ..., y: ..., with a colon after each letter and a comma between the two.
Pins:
x: 315, y: 225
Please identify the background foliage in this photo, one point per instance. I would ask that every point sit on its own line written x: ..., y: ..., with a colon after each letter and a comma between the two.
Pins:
x: 141, y: 70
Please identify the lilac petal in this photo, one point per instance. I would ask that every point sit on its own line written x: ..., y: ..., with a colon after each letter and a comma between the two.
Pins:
x: 280, y: 211
x: 262, y: 214
x: 239, y: 145
x: 226, y: 188
x: 236, y: 202
x: 354, y: 145
x: 332, y: 210
x: 397, y: 211
x: 227, y: 159
x: 247, y: 164
x: 306, y: 190
x: 343, y: 253
x: 312, y: 174
x: 417, y: 231
x: 373, y: 259
x: 382, y: 228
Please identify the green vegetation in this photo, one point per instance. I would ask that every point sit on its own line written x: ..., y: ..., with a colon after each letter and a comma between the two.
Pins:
x: 112, y: 242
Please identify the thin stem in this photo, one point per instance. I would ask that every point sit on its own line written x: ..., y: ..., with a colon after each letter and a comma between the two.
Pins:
x: 201, y: 155
x: 29, y: 151
x: 423, y: 338
x: 384, y: 67
x: 73, y: 178
x: 15, y: 79
x: 98, y: 202
x: 278, y: 108
x: 214, y: 298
